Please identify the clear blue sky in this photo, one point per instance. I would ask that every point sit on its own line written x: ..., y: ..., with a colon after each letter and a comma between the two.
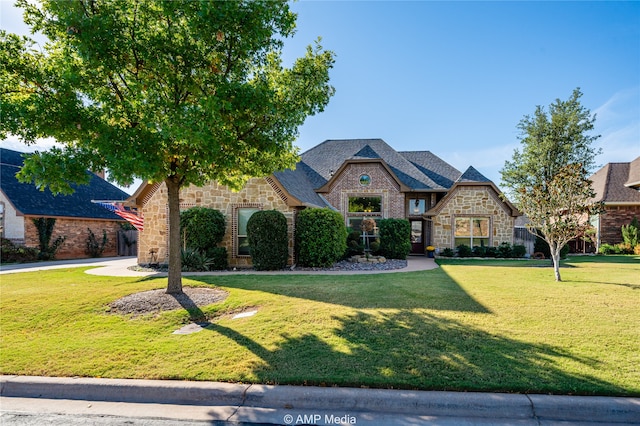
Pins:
x: 455, y: 78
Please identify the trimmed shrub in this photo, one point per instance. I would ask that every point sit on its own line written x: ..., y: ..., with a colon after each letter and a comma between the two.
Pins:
x: 201, y: 228
x: 463, y: 250
x: 10, y: 252
x: 268, y: 240
x: 479, y: 251
x: 219, y: 261
x: 321, y: 237
x: 491, y: 251
x: 395, y: 238
x: 518, y: 251
x: 447, y: 252
x: 606, y: 249
x: 504, y: 251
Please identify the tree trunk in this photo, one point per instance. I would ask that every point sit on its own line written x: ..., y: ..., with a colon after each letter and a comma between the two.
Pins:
x: 555, y: 255
x: 174, y: 285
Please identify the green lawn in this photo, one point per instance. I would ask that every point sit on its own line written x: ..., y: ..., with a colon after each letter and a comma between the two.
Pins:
x: 469, y: 325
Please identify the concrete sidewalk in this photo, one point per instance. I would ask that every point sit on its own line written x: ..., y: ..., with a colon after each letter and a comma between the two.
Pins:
x: 119, y: 267
x: 210, y: 401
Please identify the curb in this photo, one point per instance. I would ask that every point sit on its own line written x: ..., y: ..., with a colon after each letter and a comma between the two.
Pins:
x: 419, y: 403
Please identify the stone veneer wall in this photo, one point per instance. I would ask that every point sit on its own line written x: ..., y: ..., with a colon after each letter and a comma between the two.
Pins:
x: 348, y: 185
x: 257, y: 193
x: 612, y: 220
x: 481, y: 201
x: 76, y: 232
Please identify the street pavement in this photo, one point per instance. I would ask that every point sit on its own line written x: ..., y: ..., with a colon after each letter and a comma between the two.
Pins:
x: 32, y: 400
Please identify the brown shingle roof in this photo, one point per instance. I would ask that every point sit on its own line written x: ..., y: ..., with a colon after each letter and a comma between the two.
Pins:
x: 634, y: 174
x: 609, y: 183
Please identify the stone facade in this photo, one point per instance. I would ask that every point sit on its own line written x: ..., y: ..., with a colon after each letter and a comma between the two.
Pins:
x: 472, y: 201
x: 76, y: 233
x: 257, y: 193
x: 612, y: 221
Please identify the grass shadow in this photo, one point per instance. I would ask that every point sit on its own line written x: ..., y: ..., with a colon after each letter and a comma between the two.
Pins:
x: 419, y: 350
x: 432, y: 289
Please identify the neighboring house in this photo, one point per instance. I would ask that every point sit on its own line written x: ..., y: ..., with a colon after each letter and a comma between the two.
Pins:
x: 617, y: 185
x: 74, y: 214
x: 361, y: 178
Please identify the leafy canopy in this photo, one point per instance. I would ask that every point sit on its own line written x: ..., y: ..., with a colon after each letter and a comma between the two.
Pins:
x: 174, y: 91
x: 194, y: 90
x: 548, y: 179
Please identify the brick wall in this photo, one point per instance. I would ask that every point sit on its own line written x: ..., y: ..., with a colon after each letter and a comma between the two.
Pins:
x: 612, y: 220
x: 76, y: 233
x: 480, y: 201
x: 256, y: 193
x: 382, y: 184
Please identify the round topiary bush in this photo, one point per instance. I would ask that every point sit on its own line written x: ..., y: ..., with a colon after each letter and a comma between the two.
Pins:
x: 268, y: 240
x: 321, y: 237
x: 395, y: 238
x: 201, y: 228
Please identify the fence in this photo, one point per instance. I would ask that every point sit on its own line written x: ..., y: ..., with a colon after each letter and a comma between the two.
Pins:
x: 522, y: 236
x: 128, y: 243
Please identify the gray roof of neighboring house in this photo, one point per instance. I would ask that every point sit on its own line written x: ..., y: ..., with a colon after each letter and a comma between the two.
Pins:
x: 609, y: 183
x: 29, y: 200
x: 420, y: 170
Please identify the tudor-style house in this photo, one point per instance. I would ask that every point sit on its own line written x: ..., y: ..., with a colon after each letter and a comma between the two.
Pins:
x: 360, y: 178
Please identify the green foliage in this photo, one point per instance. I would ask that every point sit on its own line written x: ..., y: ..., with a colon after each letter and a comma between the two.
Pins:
x: 45, y: 226
x: 201, y: 228
x: 463, y: 250
x: 479, y: 251
x: 447, y: 252
x: 395, y: 238
x: 504, y: 250
x: 631, y: 233
x: 95, y: 248
x: 320, y: 237
x: 518, y: 251
x: 181, y: 92
x: 607, y: 249
x: 194, y: 260
x: 354, y: 243
x: 10, y: 252
x: 622, y: 248
x: 268, y: 240
x: 219, y: 260
x: 548, y: 179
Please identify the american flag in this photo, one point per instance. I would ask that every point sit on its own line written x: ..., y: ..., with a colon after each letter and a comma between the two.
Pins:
x: 127, y: 214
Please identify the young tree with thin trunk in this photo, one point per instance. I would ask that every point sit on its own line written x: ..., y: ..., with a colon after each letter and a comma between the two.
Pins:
x: 548, y: 180
x: 180, y: 92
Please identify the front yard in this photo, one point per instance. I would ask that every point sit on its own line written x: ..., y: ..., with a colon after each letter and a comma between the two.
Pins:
x: 469, y: 325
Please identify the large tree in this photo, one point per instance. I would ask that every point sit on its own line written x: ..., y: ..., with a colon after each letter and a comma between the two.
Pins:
x: 180, y: 92
x: 548, y: 179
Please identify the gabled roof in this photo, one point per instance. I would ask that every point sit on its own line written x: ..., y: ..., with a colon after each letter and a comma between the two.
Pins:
x: 413, y: 171
x: 297, y: 184
x: 634, y: 174
x: 472, y: 175
x: 614, y: 183
x: 29, y: 200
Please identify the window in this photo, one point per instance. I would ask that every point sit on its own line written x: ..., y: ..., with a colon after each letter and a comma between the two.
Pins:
x: 472, y: 231
x: 365, y: 180
x: 416, y: 207
x: 365, y: 204
x: 243, y: 218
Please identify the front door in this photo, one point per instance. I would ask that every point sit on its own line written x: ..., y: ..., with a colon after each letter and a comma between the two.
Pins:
x: 417, y: 237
